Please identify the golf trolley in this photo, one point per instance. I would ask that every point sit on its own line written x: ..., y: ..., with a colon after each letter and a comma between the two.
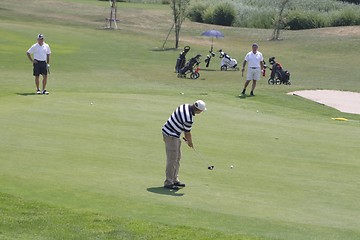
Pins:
x: 278, y: 75
x: 191, y: 67
x: 227, y: 62
x: 181, y: 60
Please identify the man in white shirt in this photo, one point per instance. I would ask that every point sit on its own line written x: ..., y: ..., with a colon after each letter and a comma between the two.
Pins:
x: 41, y: 62
x: 255, y: 65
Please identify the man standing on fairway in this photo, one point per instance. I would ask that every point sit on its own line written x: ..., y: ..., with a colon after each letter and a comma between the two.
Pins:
x: 41, y: 62
x: 181, y: 120
x: 256, y: 64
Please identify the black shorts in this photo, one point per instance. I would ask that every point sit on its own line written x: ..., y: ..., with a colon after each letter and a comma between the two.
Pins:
x: 40, y: 68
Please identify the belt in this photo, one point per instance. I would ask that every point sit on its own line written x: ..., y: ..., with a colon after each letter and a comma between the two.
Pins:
x: 253, y: 67
x: 39, y: 60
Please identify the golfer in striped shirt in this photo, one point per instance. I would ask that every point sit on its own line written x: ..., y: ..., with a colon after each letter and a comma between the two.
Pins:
x: 181, y: 120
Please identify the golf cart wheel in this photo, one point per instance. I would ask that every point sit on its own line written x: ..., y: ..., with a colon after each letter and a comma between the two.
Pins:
x: 193, y: 76
x: 197, y: 75
x: 271, y: 81
x: 179, y: 75
x: 278, y: 81
x: 223, y: 68
x: 288, y: 83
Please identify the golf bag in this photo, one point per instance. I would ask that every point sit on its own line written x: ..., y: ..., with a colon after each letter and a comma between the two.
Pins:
x: 181, y: 60
x: 278, y: 75
x: 227, y: 62
x: 208, y: 57
x: 192, y: 67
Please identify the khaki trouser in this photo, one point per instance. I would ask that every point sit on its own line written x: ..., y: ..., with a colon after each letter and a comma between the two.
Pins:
x: 173, y: 156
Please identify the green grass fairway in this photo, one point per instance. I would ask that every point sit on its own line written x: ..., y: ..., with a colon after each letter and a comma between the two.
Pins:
x: 87, y: 161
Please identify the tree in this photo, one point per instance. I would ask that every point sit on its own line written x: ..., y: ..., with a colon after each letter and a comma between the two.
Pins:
x: 179, y: 12
x: 279, y: 21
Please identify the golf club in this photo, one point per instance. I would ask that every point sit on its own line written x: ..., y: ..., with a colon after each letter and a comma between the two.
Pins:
x: 200, y: 156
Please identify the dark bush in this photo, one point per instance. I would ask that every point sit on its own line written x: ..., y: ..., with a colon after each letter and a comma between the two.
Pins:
x: 196, y: 13
x: 224, y: 14
x: 305, y: 20
x: 347, y: 17
x: 208, y: 16
x: 351, y: 1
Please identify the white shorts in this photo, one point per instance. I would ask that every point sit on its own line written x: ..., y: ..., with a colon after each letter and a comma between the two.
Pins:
x: 253, y: 74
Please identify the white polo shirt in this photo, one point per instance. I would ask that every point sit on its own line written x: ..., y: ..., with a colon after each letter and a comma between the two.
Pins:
x: 254, y: 59
x: 40, y: 52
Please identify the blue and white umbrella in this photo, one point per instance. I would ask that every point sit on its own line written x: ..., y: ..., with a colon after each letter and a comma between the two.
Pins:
x: 213, y: 34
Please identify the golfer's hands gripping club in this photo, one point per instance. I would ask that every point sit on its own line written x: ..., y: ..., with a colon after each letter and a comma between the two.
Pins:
x: 189, y: 143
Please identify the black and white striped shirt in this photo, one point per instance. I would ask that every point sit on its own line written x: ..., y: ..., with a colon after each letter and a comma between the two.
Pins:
x: 181, y: 120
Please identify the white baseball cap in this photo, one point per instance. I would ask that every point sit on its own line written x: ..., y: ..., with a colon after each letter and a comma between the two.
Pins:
x: 40, y: 36
x: 200, y: 104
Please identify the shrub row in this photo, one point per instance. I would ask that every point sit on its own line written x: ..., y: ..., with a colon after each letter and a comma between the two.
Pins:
x: 307, y: 20
x: 249, y: 16
x: 222, y: 14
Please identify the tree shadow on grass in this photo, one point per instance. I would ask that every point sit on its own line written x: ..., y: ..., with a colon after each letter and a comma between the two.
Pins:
x: 26, y: 94
x: 164, y: 49
x: 165, y: 191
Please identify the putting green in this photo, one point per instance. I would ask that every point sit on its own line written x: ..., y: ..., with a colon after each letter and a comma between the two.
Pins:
x: 94, y: 143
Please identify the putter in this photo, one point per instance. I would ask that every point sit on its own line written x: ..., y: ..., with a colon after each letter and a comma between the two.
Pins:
x: 200, y: 156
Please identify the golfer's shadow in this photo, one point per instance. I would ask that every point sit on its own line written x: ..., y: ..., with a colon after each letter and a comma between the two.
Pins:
x: 26, y: 94
x: 165, y: 191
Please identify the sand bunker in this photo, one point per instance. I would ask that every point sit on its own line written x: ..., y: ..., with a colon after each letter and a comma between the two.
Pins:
x: 348, y: 102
